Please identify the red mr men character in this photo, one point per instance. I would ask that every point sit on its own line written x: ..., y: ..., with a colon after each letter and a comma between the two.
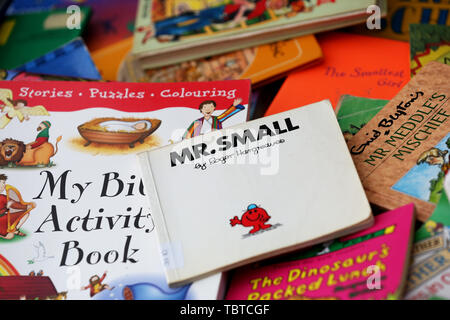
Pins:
x: 255, y: 217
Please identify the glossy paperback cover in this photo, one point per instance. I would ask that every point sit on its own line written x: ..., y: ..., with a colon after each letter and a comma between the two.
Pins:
x: 368, y: 265
x: 74, y: 213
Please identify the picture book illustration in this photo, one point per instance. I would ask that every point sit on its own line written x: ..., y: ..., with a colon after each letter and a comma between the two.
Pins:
x: 428, y: 43
x: 209, y: 122
x: 118, y: 132
x: 74, y: 214
x: 17, y: 109
x: 14, y: 211
x: 371, y: 264
x: 254, y: 217
x: 228, y: 15
x: 426, y: 179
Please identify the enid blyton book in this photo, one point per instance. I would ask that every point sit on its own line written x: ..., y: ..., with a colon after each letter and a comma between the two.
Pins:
x: 252, y: 191
x: 402, y: 154
x: 74, y: 213
x: 371, y: 264
x: 428, y: 42
x: 168, y: 32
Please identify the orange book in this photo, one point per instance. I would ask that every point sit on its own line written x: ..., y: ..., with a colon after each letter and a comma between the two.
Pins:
x: 260, y: 64
x: 353, y: 64
x: 109, y: 58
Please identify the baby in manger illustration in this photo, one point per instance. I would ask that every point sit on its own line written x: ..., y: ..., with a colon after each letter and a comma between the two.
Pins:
x: 128, y: 126
x: 13, y: 210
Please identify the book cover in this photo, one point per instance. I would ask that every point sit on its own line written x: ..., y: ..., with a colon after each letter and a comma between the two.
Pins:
x: 70, y: 60
x: 429, y: 273
x: 217, y: 27
x: 253, y: 191
x: 403, y: 13
x: 25, y: 37
x: 353, y: 113
x: 428, y: 43
x: 369, y: 265
x: 259, y: 64
x: 353, y: 64
x: 73, y: 204
x: 402, y: 154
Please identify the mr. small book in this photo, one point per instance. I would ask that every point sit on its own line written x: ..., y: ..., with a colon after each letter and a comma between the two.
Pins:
x: 251, y: 191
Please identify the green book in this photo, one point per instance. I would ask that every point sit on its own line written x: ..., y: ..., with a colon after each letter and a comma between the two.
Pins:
x: 354, y: 112
x: 26, y: 37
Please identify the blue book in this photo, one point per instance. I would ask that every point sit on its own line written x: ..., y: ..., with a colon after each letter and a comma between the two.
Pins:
x: 71, y: 60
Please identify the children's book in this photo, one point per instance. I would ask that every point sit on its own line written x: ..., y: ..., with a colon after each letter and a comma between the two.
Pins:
x: 252, y: 191
x: 401, y: 14
x: 70, y: 60
x: 73, y: 205
x: 29, y: 36
x: 368, y: 265
x: 429, y: 273
x: 259, y: 64
x: 402, y: 154
x: 353, y: 113
x: 168, y: 32
x: 353, y: 64
x: 428, y: 43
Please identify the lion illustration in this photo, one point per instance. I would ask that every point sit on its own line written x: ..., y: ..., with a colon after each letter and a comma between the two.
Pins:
x: 11, y: 151
x: 16, y: 152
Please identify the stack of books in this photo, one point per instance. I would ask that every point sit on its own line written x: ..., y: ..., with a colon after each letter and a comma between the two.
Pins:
x: 133, y: 165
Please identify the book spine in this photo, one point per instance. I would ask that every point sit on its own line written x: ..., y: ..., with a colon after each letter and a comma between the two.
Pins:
x: 168, y: 251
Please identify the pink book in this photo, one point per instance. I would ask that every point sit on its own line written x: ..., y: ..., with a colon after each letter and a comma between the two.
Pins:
x: 371, y: 264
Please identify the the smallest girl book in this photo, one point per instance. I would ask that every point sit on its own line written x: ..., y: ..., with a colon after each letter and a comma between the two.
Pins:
x: 252, y: 191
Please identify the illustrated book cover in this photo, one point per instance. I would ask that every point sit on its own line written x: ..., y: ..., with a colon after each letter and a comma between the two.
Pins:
x: 402, y: 154
x: 252, y: 191
x: 353, y: 64
x: 167, y: 33
x: 260, y: 64
x: 428, y: 42
x: 73, y: 207
x: 429, y: 275
x: 369, y: 265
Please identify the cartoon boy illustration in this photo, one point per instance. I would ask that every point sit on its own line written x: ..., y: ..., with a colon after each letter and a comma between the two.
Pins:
x: 209, y: 122
x: 13, y: 214
x: 96, y: 286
